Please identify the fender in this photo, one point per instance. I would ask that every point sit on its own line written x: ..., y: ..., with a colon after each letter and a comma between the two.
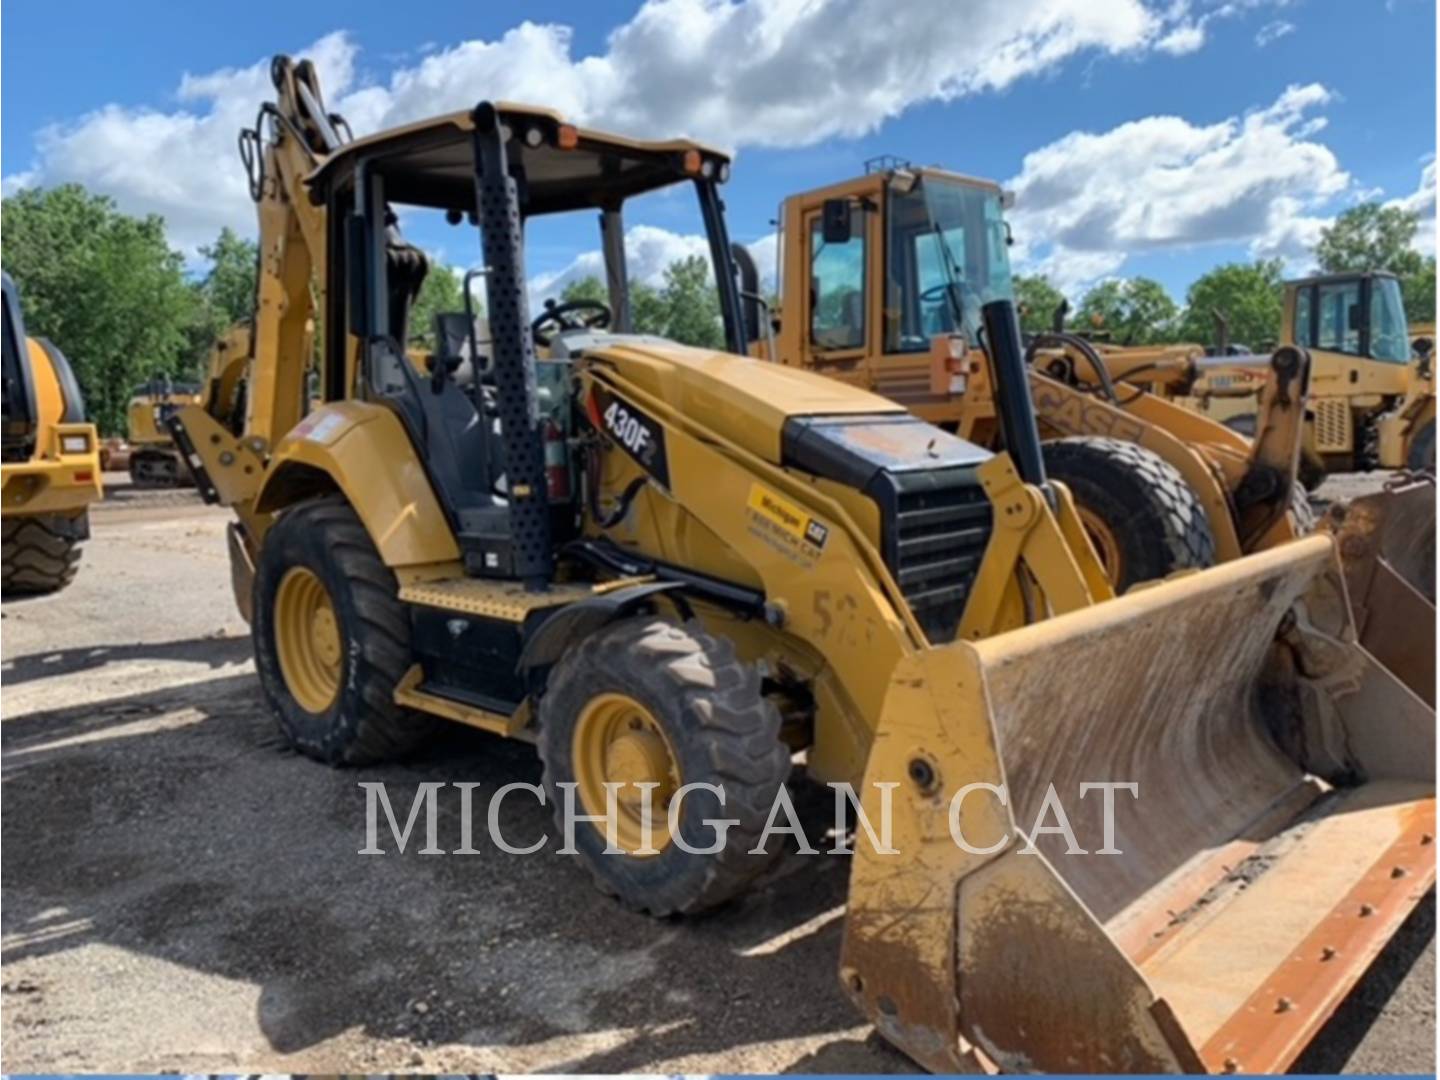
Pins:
x: 363, y: 451
x: 576, y: 621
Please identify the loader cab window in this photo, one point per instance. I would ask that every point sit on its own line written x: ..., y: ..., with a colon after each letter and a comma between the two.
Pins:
x: 946, y: 255
x: 1340, y: 314
x: 1389, y: 332
x: 837, y: 286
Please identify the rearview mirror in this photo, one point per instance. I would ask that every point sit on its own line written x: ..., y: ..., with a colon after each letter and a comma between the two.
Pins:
x: 835, y: 221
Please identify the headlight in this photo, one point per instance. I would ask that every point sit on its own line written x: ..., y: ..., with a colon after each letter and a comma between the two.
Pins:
x: 75, y: 444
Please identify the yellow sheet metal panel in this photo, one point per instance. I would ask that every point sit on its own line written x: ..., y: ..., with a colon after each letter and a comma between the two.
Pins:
x: 366, y: 452
x: 699, y: 383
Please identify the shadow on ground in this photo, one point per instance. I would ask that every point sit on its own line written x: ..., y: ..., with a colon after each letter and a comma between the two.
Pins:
x: 195, y: 836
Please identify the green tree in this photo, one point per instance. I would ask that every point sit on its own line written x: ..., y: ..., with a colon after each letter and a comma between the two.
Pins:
x: 692, y: 304
x: 1369, y: 237
x: 1419, y: 291
x: 1135, y: 311
x: 1375, y: 237
x: 1248, y: 295
x: 442, y: 290
x: 229, y: 286
x: 685, y: 308
x: 1037, y: 300
x: 105, y: 287
x: 589, y: 287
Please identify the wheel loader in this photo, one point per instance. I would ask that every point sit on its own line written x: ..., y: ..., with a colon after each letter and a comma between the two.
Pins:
x: 670, y: 566
x: 883, y: 281
x: 1373, y: 381
x: 50, y: 469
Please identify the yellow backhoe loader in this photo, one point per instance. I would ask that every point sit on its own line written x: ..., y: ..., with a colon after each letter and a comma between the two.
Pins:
x: 671, y: 566
x: 50, y: 471
x: 154, y: 460
x: 883, y: 281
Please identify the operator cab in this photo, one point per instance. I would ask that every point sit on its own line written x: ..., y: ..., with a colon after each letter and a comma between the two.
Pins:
x: 492, y: 395
x: 1359, y: 315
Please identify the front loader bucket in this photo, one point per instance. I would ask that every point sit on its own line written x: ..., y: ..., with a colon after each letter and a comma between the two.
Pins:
x: 1280, y: 830
x: 1387, y: 546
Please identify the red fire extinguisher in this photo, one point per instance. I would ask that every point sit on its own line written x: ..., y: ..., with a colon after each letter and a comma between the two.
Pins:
x: 557, y: 463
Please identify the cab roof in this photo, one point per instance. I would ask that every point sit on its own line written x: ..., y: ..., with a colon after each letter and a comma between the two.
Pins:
x: 431, y: 162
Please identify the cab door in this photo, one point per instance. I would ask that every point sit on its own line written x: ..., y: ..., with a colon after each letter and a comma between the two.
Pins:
x: 838, y: 320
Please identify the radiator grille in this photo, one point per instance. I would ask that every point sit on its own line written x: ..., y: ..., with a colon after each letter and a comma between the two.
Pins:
x: 937, y: 541
x: 1333, y: 430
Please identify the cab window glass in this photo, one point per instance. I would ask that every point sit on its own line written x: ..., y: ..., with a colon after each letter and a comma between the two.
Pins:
x: 1303, y: 309
x: 837, y: 287
x: 1389, y: 333
x: 1340, y: 317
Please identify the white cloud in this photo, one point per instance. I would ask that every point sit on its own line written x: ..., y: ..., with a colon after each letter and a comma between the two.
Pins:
x: 746, y: 73
x: 648, y: 251
x: 1185, y: 38
x: 1422, y: 203
x: 1273, y: 31
x: 1086, y: 201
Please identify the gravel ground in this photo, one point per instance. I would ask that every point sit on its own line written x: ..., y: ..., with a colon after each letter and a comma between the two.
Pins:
x: 181, y: 892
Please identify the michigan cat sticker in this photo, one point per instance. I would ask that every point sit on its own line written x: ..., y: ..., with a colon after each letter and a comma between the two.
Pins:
x: 784, y: 526
x: 639, y: 435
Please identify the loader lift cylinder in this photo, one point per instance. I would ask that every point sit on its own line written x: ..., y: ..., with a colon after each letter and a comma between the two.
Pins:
x: 514, y: 354
x: 1013, y: 406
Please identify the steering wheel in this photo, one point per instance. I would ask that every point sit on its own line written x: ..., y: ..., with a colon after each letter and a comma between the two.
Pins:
x: 571, y: 315
x: 937, y: 293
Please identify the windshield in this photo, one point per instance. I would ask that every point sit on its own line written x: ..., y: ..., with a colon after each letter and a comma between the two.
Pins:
x: 1389, y: 336
x: 946, y: 256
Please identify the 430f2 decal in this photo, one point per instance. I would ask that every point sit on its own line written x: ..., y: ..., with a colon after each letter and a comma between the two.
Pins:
x: 633, y: 431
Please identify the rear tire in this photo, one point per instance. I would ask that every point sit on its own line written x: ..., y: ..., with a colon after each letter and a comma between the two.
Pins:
x: 41, y: 553
x: 1422, y: 449
x: 323, y: 541
x: 717, y: 728
x: 1144, y: 519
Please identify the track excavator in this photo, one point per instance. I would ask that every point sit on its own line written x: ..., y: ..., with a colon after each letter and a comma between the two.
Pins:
x: 679, y: 571
x: 50, y: 470
x: 884, y: 277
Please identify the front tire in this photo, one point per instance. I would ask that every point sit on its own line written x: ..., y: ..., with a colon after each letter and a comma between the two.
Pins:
x: 1143, y: 518
x: 332, y: 639
x: 41, y: 553
x: 647, y: 700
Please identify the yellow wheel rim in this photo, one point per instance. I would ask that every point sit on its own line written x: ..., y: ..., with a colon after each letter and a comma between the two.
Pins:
x: 1107, y: 545
x: 619, y: 741
x: 307, y: 639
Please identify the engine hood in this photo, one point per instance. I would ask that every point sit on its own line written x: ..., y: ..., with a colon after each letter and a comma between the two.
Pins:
x: 741, y: 399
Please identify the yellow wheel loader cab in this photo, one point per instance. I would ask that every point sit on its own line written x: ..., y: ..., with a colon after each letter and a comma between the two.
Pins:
x: 1372, y: 392
x: 676, y: 567
x: 883, y: 281
x: 50, y: 471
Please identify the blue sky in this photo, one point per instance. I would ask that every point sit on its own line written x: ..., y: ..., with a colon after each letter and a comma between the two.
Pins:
x: 1153, y: 137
